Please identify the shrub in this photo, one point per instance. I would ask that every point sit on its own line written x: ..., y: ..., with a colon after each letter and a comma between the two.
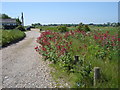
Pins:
x: 21, y: 28
x: 86, y: 28
x: 62, y: 29
x: 82, y: 27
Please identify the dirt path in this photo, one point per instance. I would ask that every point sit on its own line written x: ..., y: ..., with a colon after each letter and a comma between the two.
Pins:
x: 23, y: 67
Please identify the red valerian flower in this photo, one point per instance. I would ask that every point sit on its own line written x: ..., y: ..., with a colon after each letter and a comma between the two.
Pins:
x: 36, y: 47
x: 85, y: 45
x: 107, y: 32
x: 118, y: 39
x: 96, y: 37
x: 105, y: 35
x: 58, y: 46
x: 44, y: 49
x: 70, y: 42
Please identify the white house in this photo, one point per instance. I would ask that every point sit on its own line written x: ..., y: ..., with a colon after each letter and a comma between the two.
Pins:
x: 8, y: 23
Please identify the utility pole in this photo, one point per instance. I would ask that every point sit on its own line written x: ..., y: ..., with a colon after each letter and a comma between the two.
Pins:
x: 22, y: 19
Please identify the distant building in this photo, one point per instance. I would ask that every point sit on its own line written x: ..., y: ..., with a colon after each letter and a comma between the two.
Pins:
x: 11, y: 23
x: 8, y: 23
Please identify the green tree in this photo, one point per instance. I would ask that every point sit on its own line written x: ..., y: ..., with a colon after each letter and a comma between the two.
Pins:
x: 81, y: 24
x: 18, y: 21
x: 4, y: 16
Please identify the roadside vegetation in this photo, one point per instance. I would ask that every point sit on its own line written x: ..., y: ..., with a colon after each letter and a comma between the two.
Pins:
x: 94, y: 46
x: 11, y: 33
x: 10, y: 36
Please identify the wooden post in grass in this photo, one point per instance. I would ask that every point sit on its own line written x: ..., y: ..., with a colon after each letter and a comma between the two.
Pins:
x: 96, y: 75
x: 76, y: 59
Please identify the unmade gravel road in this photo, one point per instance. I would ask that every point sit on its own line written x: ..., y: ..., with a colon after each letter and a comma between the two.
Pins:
x: 23, y: 67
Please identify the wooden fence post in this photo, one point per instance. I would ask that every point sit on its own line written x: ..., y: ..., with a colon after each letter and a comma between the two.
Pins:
x: 96, y: 75
x: 76, y: 59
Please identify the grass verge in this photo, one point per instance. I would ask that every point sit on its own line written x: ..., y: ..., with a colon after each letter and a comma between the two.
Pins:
x: 10, y: 36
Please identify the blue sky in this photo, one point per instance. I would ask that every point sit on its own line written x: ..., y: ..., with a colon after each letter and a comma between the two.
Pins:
x: 63, y: 12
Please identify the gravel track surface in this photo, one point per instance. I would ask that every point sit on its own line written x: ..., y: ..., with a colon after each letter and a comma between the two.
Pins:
x: 23, y: 67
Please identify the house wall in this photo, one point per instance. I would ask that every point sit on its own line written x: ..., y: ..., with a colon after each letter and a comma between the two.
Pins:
x: 8, y: 23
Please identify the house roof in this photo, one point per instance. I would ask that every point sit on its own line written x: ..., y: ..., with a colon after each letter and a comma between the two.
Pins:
x: 7, y: 20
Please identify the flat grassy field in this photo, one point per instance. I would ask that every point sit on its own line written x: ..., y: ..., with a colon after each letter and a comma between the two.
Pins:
x: 54, y: 28
x: 10, y: 36
x: 48, y: 28
x: 112, y: 30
